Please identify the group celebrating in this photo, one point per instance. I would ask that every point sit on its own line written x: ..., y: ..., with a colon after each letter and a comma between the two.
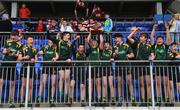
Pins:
x: 62, y: 50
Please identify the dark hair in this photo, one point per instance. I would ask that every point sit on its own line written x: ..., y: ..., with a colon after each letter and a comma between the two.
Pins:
x: 174, y: 43
x: 159, y: 37
x: 64, y: 33
x: 14, y: 33
x: 145, y: 35
x: 118, y: 35
x: 28, y: 37
x: 106, y: 42
x: 81, y: 45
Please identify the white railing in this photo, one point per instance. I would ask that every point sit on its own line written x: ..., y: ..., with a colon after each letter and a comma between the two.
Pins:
x: 88, y: 76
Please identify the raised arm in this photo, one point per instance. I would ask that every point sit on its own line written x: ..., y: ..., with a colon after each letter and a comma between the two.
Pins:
x: 168, y: 39
x: 171, y: 21
x: 153, y: 34
x: 56, y: 41
x: 89, y: 38
x: 131, y: 40
x: 101, y: 42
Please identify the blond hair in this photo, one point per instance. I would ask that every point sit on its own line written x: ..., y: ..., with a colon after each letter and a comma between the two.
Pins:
x: 133, y: 28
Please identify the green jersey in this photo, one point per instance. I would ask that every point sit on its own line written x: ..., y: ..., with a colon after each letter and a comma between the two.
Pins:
x: 64, y: 50
x: 143, y: 51
x: 31, y: 51
x: 12, y: 47
x: 106, y: 55
x: 94, y: 55
x: 172, y: 56
x: 122, y: 49
x: 160, y: 51
x: 80, y: 57
x: 49, y: 53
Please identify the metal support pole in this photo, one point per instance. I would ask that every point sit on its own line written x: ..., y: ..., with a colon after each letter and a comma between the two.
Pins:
x: 27, y: 86
x: 152, y: 86
x: 14, y: 8
x: 159, y: 10
x: 89, y: 68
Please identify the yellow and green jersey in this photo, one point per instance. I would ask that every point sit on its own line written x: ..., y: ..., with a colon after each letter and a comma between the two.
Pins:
x: 49, y: 52
x: 12, y: 47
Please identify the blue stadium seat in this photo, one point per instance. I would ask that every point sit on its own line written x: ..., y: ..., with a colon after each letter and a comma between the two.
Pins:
x: 167, y: 17
x: 126, y: 25
x: 158, y: 17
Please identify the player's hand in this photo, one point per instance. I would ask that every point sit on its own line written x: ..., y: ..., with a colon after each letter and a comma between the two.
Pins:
x: 68, y: 60
x: 5, y: 51
x: 32, y: 60
x: 8, y: 51
x: 112, y: 60
x: 54, y: 59
x: 128, y: 56
x: 26, y: 57
x: 13, y: 54
x: 116, y: 51
x: 77, y: 37
x: 151, y: 57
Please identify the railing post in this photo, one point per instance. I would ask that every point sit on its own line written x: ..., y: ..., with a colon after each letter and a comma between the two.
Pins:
x: 27, y: 86
x: 89, y: 69
x: 152, y: 85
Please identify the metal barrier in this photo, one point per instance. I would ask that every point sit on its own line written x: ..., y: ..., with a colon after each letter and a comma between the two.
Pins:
x: 128, y: 83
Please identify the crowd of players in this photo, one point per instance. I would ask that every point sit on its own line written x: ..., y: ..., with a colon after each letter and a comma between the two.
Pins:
x: 62, y: 49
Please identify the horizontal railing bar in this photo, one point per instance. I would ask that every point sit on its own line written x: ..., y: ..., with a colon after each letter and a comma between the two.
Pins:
x: 99, y: 61
x: 113, y: 32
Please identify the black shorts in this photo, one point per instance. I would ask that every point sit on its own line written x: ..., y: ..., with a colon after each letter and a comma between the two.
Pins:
x: 78, y: 74
x: 174, y: 73
x: 49, y: 68
x: 140, y: 70
x: 119, y: 71
x: 106, y: 71
x: 64, y: 66
x: 122, y: 69
x: 95, y: 72
x: 8, y: 71
x: 32, y: 72
x: 160, y: 70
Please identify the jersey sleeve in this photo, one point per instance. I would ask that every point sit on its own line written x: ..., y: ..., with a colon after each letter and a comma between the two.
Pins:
x: 23, y: 51
x: 43, y: 49
x: 113, y: 49
x: 167, y: 47
x: 20, y: 47
x: 153, y: 48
